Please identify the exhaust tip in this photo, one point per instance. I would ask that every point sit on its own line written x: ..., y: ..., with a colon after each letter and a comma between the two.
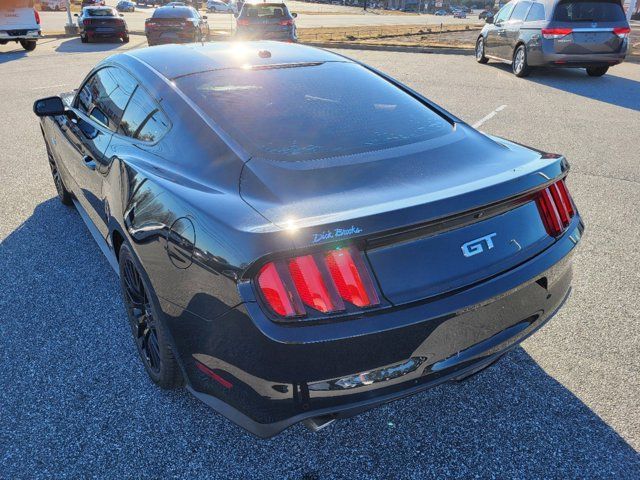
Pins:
x: 315, y: 424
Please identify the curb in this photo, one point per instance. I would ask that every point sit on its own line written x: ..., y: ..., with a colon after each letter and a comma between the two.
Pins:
x: 392, y: 48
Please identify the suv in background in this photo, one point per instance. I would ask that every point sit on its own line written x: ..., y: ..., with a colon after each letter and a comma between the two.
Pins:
x: 591, y: 34
x: 266, y: 21
x: 19, y: 22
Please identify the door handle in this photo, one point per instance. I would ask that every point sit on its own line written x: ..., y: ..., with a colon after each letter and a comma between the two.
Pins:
x: 89, y: 162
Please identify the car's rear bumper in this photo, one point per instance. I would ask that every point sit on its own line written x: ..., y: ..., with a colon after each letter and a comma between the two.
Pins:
x: 20, y: 35
x: 106, y: 32
x: 266, y: 377
x: 548, y: 58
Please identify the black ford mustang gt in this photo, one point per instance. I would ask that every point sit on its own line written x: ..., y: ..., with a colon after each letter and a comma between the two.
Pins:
x: 300, y: 237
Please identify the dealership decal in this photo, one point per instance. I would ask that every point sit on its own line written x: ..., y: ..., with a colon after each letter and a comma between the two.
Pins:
x: 336, y: 233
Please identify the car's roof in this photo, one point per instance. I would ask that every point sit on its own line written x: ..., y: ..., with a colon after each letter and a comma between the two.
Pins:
x: 178, y: 60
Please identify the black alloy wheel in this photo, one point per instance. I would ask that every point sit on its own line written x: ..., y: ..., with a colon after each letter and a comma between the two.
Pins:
x: 147, y: 330
x: 63, y: 194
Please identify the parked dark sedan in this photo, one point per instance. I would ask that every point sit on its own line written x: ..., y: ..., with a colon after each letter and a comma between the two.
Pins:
x: 101, y: 22
x: 300, y: 237
x: 176, y: 25
x: 591, y: 34
x: 266, y: 21
x: 126, y: 6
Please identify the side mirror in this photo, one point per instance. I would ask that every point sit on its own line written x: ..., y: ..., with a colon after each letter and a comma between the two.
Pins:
x: 294, y: 15
x: 489, y: 19
x: 75, y: 14
x: 204, y: 17
x: 49, y: 107
x: 236, y: 14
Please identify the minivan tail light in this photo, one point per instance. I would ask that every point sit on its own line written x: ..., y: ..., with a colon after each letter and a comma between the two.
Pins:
x: 243, y: 22
x: 286, y: 23
x: 551, y: 33
x: 324, y: 282
x: 622, y: 32
x: 556, y: 208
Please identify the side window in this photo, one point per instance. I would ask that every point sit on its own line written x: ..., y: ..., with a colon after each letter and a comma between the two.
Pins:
x: 143, y: 118
x: 504, y: 13
x: 536, y: 13
x: 520, y: 11
x: 105, y: 95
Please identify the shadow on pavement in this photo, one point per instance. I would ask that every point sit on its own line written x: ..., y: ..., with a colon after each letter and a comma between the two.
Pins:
x: 609, y: 88
x: 75, y: 400
x: 11, y: 55
x: 74, y: 45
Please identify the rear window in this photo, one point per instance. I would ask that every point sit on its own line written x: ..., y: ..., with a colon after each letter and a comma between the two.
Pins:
x: 308, y: 112
x: 589, y: 11
x: 100, y: 12
x: 264, y: 11
x: 174, y: 12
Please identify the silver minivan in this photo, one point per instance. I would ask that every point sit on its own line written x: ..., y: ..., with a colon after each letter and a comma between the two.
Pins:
x: 19, y: 22
x: 591, y: 34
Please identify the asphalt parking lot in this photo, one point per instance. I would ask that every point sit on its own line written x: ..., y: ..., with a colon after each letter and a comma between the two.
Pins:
x: 75, y: 401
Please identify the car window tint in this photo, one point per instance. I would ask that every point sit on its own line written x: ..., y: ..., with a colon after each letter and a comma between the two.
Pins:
x: 143, y: 118
x: 315, y: 111
x: 100, y: 12
x: 264, y: 11
x: 536, y: 13
x: 105, y: 96
x: 173, y: 12
x: 589, y: 11
x: 504, y: 13
x: 520, y: 11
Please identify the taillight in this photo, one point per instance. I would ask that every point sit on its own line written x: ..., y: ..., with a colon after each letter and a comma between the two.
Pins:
x: 622, y: 32
x: 556, y: 208
x: 286, y: 23
x: 37, y: 15
x: 325, y: 282
x: 86, y: 21
x: 243, y: 22
x: 550, y: 33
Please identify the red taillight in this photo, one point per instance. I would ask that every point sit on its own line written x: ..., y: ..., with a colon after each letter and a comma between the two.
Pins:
x: 556, y: 208
x: 622, y: 32
x: 286, y: 23
x: 243, y: 22
x: 280, y: 298
x: 323, y: 282
x: 348, y: 277
x: 550, y: 33
x: 86, y: 21
x: 311, y: 286
x: 35, y: 12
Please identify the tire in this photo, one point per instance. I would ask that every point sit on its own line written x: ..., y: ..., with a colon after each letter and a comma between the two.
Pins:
x: 125, y: 39
x: 480, y: 58
x: 597, y: 71
x: 84, y: 39
x: 28, y: 45
x: 64, y: 195
x: 519, y: 65
x: 149, y: 334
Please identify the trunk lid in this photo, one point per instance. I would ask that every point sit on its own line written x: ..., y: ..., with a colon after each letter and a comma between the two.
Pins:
x: 417, y: 211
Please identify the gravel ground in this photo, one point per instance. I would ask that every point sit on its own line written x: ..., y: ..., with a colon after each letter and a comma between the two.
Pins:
x: 74, y: 399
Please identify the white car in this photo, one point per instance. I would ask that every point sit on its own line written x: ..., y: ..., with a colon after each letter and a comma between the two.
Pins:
x: 19, y: 22
x: 218, y: 6
x: 53, y: 5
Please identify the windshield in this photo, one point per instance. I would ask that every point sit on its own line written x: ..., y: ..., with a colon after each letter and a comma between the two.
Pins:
x: 589, y: 11
x: 316, y: 111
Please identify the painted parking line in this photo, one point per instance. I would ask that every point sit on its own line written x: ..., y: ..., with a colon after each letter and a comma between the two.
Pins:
x: 484, y: 119
x: 49, y: 86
